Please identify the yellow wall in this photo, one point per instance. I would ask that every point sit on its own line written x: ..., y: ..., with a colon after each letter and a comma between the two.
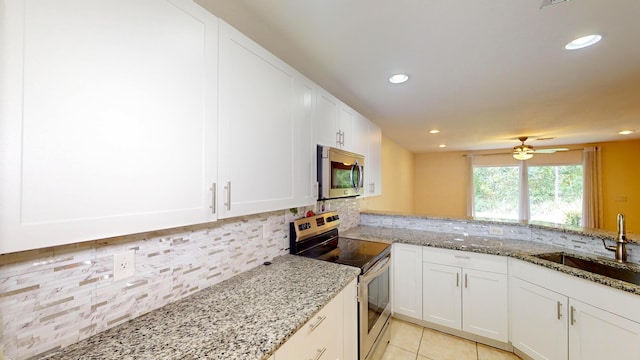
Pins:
x: 621, y: 183
x: 440, y: 185
x: 397, y: 181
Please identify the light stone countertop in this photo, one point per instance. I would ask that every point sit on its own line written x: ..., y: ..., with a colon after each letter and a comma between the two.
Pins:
x: 246, y: 317
x: 519, y: 249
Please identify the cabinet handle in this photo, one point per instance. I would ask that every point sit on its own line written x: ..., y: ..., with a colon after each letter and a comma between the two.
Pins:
x: 228, y: 203
x: 559, y: 310
x: 338, y: 138
x: 458, y: 280
x: 319, y: 353
x: 213, y: 198
x: 572, y: 316
x: 318, y: 322
x: 466, y: 281
x: 462, y: 257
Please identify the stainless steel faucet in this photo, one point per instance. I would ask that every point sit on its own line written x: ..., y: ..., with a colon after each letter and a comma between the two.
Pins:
x: 621, y: 241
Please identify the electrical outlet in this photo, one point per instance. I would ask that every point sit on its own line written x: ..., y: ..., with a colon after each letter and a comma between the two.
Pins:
x: 124, y: 265
x: 266, y: 230
x: 495, y: 230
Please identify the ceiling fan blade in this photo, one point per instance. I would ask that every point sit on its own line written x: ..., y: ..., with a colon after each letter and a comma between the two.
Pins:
x: 549, y: 151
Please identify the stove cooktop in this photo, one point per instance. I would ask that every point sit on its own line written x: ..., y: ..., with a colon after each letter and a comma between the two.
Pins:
x: 358, y: 253
x: 317, y: 237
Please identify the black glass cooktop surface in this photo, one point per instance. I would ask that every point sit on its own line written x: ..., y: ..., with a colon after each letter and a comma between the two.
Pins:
x: 358, y: 253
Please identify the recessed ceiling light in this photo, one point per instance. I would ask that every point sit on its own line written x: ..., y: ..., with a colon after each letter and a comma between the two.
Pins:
x: 626, y: 132
x: 442, y: 145
x: 398, y: 78
x: 434, y: 131
x: 583, y: 42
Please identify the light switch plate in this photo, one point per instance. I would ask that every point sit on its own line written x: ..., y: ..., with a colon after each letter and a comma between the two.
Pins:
x: 124, y: 265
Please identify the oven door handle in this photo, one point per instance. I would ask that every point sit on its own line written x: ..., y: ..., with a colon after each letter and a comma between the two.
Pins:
x: 381, y: 266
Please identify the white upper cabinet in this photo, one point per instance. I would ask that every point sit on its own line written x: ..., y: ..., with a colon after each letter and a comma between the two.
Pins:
x: 259, y: 113
x: 373, y: 174
x: 326, y: 125
x: 346, y: 127
x: 305, y: 150
x: 107, y: 119
x: 360, y: 138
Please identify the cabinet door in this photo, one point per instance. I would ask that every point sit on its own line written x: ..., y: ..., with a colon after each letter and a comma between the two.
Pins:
x: 373, y: 173
x: 346, y: 126
x: 442, y: 295
x: 485, y: 309
x: 407, y: 280
x: 256, y: 117
x: 350, y: 299
x: 305, y: 151
x: 598, y: 334
x: 538, y: 321
x: 326, y: 123
x: 108, y: 119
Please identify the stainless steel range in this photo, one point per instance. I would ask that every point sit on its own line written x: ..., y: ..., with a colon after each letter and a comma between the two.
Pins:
x: 317, y: 237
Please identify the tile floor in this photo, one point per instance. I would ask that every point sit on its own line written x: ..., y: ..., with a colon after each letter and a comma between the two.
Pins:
x: 413, y: 342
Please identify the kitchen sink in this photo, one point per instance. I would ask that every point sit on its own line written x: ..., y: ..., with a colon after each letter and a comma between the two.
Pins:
x: 593, y: 266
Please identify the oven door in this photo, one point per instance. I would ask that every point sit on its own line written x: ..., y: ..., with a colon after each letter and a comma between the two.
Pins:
x: 375, y: 307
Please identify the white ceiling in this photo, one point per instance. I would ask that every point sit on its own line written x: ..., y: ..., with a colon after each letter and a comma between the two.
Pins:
x: 484, y: 72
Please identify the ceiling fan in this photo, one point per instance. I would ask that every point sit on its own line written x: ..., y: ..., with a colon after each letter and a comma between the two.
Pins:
x: 525, y: 152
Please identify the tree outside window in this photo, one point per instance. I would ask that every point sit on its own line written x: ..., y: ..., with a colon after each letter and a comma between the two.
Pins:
x: 555, y: 193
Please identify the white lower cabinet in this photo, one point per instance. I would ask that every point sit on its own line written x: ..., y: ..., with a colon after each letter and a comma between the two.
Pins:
x: 551, y: 319
x: 350, y: 301
x: 598, y: 334
x: 407, y: 280
x: 538, y: 321
x: 466, y: 291
x: 325, y: 335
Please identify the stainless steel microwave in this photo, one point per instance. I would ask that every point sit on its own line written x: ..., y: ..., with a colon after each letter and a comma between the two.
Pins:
x: 340, y: 173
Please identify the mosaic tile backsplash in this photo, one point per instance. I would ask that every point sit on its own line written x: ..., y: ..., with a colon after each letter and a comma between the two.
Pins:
x: 53, y: 297
x: 586, y: 243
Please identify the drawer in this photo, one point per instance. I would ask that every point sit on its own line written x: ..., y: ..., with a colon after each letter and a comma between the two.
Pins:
x: 319, y: 335
x: 465, y: 259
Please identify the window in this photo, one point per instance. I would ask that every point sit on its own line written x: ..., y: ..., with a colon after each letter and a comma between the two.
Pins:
x: 496, y: 191
x: 555, y: 193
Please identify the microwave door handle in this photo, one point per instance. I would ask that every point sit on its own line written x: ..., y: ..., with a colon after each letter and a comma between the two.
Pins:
x: 353, y: 183
x: 360, y: 176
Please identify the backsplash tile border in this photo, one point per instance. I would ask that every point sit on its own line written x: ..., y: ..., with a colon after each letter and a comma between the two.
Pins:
x: 53, y: 297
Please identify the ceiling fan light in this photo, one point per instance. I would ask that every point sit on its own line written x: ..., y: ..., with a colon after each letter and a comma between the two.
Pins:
x: 522, y: 155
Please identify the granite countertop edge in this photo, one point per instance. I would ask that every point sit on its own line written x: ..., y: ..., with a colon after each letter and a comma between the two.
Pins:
x: 518, y: 249
x: 246, y: 317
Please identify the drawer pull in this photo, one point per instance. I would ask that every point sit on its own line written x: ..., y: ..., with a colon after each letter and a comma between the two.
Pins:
x: 317, y: 323
x: 319, y: 353
x: 462, y: 257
